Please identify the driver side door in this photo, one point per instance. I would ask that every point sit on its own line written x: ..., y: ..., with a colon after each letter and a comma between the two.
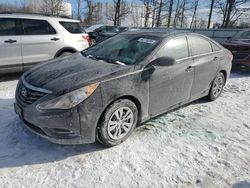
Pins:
x: 171, y: 85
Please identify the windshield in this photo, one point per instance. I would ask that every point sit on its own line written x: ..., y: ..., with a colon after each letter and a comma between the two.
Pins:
x: 92, y: 28
x: 123, y: 49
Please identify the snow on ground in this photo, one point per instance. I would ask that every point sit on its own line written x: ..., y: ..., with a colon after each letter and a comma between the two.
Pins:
x: 204, y: 144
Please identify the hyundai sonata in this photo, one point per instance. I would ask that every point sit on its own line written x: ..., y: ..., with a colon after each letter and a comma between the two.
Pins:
x: 105, y: 91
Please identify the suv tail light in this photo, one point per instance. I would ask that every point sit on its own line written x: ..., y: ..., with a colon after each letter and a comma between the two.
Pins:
x: 230, y: 55
x: 86, y: 37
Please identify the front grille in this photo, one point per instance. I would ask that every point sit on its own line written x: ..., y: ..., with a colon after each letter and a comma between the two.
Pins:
x: 26, y: 96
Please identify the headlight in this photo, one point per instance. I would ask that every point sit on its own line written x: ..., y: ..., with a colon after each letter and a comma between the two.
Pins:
x: 69, y: 100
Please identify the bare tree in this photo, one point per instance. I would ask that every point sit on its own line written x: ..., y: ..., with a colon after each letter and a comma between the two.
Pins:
x: 158, y: 20
x: 195, y: 6
x: 171, y: 2
x: 52, y: 7
x: 231, y: 11
x: 177, y: 12
x: 22, y: 7
x: 147, y: 4
x: 79, y: 8
x: 210, y: 13
x: 118, y: 11
x: 90, y: 6
x: 183, y: 8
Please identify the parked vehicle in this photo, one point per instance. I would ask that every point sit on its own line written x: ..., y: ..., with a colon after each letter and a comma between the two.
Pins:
x: 239, y: 45
x: 26, y: 39
x: 98, y: 33
x: 108, y: 89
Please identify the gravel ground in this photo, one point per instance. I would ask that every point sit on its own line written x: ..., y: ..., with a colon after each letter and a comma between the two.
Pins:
x: 204, y: 144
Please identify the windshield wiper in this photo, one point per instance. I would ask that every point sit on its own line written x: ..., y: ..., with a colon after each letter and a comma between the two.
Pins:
x: 108, y: 60
x: 119, y: 63
x: 91, y: 57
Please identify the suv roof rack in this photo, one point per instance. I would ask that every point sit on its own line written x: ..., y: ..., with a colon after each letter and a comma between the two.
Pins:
x: 34, y: 13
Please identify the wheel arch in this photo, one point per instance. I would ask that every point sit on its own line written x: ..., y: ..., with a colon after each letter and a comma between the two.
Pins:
x: 225, y: 74
x: 135, y: 100
x: 65, y: 49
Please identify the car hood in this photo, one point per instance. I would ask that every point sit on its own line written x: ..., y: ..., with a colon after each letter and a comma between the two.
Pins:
x: 65, y: 74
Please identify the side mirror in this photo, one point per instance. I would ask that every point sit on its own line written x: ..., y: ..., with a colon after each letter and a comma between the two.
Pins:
x: 147, y: 72
x: 163, y: 61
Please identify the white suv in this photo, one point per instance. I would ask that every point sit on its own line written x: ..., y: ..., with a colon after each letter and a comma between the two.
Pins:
x: 26, y: 39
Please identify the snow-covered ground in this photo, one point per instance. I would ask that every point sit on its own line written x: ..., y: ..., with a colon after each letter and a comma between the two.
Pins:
x: 205, y: 144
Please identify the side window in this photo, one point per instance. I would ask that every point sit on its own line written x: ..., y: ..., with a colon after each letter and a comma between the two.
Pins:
x: 176, y: 48
x: 7, y: 26
x: 72, y: 27
x: 37, y: 27
x: 199, y: 45
x: 215, y: 47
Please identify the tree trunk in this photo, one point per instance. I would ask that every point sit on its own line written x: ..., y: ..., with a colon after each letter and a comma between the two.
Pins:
x: 225, y: 14
x: 176, y: 12
x: 159, y: 14
x: 146, y: 14
x: 210, y: 13
x: 170, y: 12
x: 229, y: 11
x: 196, y: 3
x: 182, y: 12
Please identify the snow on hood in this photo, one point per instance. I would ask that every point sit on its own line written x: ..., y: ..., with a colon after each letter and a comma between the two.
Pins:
x: 66, y: 74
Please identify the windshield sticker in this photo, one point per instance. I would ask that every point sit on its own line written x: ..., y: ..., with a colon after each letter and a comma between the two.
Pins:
x: 150, y: 41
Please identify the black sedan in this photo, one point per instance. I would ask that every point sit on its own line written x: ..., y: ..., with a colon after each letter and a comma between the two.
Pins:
x: 98, y: 33
x: 104, y: 92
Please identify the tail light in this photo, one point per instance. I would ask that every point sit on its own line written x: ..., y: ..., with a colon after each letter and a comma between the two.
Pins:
x: 86, y: 37
x: 230, y: 56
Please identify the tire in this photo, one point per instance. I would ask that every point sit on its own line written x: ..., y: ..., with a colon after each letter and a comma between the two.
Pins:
x: 217, y: 86
x: 117, y: 122
x: 64, y: 54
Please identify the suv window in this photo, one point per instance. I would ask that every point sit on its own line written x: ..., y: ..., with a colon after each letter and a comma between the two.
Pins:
x: 176, y: 48
x: 37, y: 27
x: 199, y: 45
x: 7, y: 27
x: 72, y: 27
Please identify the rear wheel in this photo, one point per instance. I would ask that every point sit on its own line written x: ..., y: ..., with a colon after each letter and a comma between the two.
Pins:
x: 117, y: 123
x: 217, y: 86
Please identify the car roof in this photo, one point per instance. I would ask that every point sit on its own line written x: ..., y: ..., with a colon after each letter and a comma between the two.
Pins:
x: 35, y: 16
x: 156, y: 32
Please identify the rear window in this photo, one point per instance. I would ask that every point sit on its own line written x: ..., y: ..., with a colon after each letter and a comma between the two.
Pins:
x: 7, y: 27
x: 37, y: 27
x: 199, y: 45
x: 72, y: 27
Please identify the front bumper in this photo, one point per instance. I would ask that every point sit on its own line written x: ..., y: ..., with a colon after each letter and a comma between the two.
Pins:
x: 57, y: 127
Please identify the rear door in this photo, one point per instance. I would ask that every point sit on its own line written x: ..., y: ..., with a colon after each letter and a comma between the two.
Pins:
x: 10, y: 45
x: 40, y: 41
x: 206, y: 64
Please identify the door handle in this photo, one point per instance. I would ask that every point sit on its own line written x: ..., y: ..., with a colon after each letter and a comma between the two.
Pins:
x: 215, y: 58
x: 189, y: 68
x: 55, y: 39
x: 10, y: 41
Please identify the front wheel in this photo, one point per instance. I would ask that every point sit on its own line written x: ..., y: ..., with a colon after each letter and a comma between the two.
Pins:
x: 117, y: 123
x: 217, y: 86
